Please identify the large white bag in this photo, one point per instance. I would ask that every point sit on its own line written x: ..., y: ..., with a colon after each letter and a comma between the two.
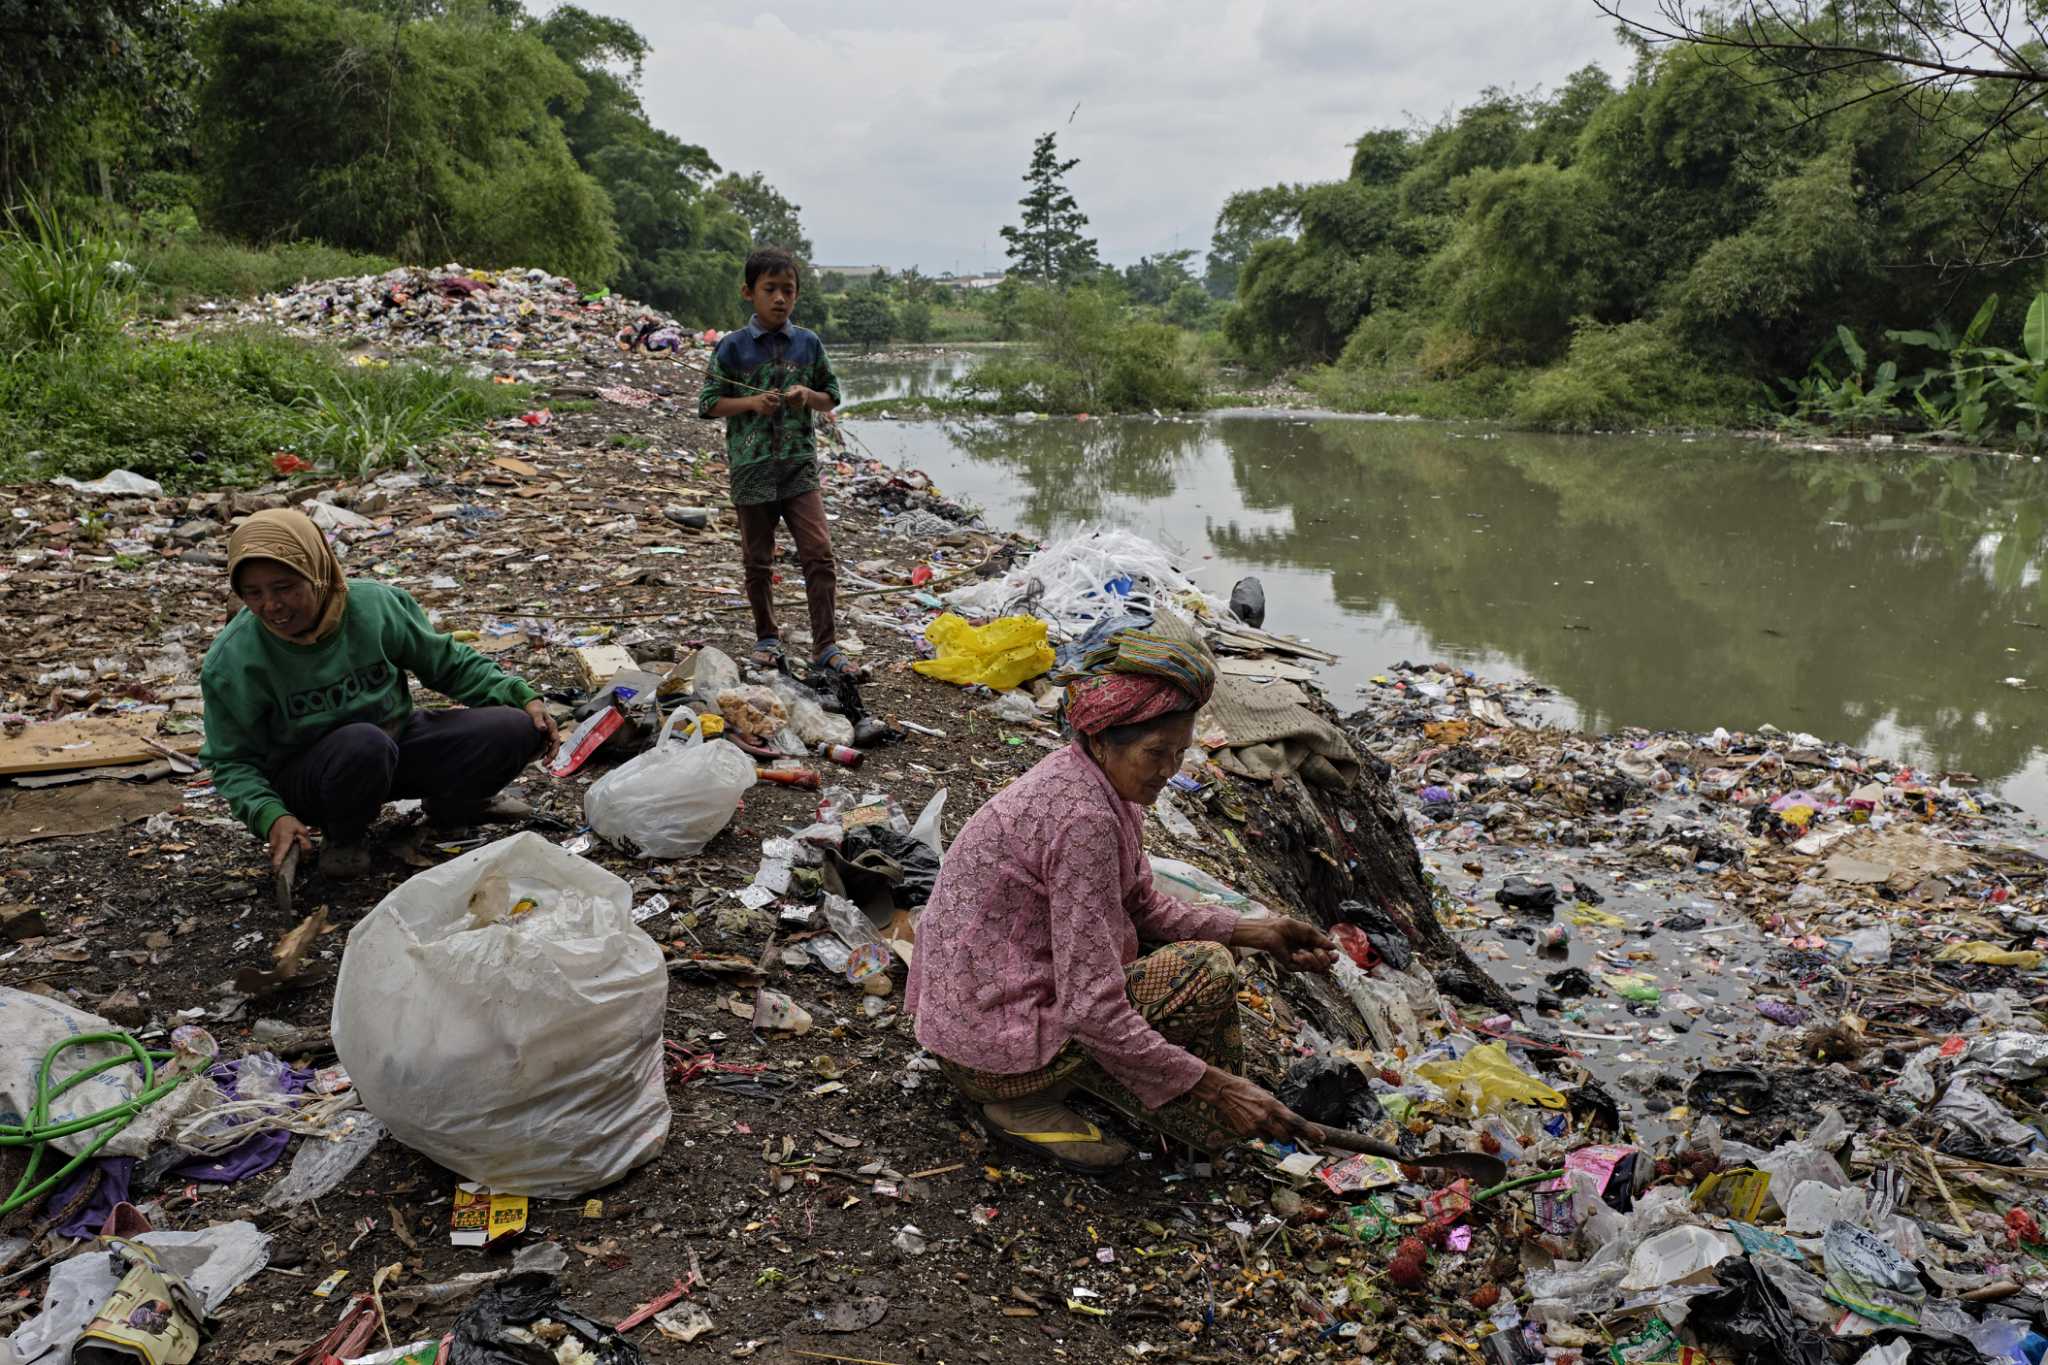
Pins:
x: 519, y: 1046
x: 672, y: 800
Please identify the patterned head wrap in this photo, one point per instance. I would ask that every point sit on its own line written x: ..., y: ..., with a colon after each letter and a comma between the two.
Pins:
x: 1136, y: 676
x: 290, y: 538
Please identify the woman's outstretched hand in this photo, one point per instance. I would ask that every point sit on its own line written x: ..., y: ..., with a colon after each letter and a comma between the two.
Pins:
x: 1247, y: 1108
x: 1301, y: 946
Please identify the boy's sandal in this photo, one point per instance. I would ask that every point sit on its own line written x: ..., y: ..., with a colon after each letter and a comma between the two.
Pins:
x: 767, y: 653
x: 834, y: 660
x: 1091, y: 1151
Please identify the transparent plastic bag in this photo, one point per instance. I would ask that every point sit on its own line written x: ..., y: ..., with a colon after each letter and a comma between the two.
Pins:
x: 672, y: 800
x: 324, y: 1162
x: 1000, y: 655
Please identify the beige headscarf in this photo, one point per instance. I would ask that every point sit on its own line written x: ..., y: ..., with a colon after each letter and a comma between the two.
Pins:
x: 290, y: 538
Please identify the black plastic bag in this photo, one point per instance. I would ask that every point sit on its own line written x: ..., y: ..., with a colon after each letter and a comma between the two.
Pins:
x: 1387, y: 937
x: 907, y: 863
x: 1736, y: 1087
x: 1750, y: 1315
x: 1525, y: 897
x: 1571, y: 982
x: 1330, y: 1091
x: 521, y: 1301
x: 1248, y: 602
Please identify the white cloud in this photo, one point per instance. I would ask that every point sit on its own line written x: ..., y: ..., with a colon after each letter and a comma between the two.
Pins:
x: 903, y: 128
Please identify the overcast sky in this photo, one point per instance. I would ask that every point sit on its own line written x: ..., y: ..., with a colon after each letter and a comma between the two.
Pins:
x: 903, y: 126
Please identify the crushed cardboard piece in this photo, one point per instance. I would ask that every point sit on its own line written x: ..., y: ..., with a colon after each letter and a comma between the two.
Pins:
x: 86, y: 808
x: 88, y: 742
x: 599, y: 664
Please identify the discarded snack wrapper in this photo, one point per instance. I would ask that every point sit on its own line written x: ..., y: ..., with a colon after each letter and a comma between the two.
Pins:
x: 481, y: 1217
x: 867, y: 960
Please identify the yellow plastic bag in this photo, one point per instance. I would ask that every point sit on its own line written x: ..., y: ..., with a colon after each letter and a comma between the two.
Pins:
x: 1484, y: 1080
x: 1990, y: 954
x: 1000, y: 655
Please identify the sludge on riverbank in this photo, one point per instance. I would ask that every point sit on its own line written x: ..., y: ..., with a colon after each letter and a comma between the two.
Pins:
x: 820, y: 1192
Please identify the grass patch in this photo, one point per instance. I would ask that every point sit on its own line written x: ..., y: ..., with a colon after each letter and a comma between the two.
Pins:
x: 60, y: 288
x: 1486, y: 394
x: 189, y: 268
x: 950, y: 406
x: 212, y: 411
x: 625, y: 440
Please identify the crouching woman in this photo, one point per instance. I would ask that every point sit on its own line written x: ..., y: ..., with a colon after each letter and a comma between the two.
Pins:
x: 1027, y: 982
x: 309, y: 715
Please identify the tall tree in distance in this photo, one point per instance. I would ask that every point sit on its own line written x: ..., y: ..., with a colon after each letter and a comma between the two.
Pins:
x: 1047, y: 247
x: 770, y: 217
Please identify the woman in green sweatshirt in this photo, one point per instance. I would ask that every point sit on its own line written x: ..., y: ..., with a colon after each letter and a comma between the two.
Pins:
x: 309, y: 714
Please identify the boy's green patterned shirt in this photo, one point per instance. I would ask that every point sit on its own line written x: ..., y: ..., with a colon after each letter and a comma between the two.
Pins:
x: 772, y: 456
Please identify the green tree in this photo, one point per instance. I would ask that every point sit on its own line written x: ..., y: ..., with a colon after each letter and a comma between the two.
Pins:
x: 1005, y: 304
x: 914, y: 321
x: 428, y: 139
x: 770, y: 216
x: 682, y: 246
x: 1047, y: 247
x: 866, y: 318
x: 1246, y: 219
x: 1154, y: 279
x: 69, y: 64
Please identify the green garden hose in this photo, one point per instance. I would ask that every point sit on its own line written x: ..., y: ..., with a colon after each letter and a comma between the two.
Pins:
x: 38, y: 1131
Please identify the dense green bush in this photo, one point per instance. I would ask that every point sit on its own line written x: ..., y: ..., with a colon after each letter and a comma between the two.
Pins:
x: 1631, y: 374
x: 1532, y: 234
x: 1083, y: 353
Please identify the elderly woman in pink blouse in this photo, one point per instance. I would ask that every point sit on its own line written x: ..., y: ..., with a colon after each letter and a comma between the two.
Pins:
x: 1027, y: 982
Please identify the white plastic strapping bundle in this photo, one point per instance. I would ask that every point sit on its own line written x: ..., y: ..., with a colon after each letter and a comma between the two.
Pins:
x: 1069, y: 584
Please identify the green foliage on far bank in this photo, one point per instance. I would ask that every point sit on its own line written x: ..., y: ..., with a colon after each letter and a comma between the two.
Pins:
x: 1651, y: 253
x: 1081, y: 352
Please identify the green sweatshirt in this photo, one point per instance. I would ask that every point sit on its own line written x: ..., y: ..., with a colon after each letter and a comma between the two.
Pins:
x: 268, y: 699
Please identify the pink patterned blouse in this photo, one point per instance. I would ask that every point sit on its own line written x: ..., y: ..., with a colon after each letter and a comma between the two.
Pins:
x: 1038, y: 910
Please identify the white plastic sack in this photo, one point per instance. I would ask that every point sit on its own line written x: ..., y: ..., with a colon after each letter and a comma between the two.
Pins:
x: 672, y: 800
x: 518, y: 1046
x: 30, y: 1025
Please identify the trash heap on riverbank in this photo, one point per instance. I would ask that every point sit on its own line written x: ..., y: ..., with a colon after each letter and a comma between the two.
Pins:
x: 490, y: 316
x: 1771, y: 1089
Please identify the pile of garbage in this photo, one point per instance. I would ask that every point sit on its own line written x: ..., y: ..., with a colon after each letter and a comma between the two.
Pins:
x: 1776, y: 1091
x: 482, y: 314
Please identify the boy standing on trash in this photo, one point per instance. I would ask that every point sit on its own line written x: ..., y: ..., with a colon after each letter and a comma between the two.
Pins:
x: 766, y: 381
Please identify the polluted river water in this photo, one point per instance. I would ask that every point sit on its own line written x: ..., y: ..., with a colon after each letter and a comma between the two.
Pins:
x: 1892, y: 602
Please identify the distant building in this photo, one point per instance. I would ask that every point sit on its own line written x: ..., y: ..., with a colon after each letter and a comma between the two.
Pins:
x: 977, y: 281
x: 851, y: 272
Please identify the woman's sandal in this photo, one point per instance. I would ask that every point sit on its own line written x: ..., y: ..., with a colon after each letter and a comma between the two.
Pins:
x: 1047, y: 1145
x: 1034, y: 1117
x: 767, y: 653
